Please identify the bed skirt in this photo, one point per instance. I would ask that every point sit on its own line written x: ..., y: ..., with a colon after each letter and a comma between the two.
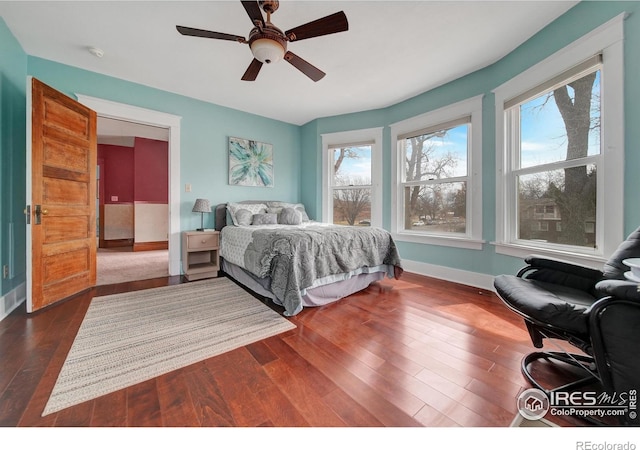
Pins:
x: 319, y: 295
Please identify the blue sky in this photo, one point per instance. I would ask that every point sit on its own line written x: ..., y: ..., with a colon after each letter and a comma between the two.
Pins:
x: 360, y: 167
x: 542, y: 131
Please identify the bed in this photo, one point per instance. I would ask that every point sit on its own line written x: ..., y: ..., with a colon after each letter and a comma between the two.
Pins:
x: 273, y: 249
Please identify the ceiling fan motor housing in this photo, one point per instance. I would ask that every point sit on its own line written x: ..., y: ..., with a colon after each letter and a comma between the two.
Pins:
x: 269, y: 6
x: 268, y: 44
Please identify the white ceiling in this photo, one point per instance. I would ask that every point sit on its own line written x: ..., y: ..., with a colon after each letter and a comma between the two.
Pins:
x: 393, y: 50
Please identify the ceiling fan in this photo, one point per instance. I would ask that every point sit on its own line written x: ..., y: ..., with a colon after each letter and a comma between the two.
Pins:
x: 269, y: 44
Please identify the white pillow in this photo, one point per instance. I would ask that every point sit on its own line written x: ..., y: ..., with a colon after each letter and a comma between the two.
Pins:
x: 244, y: 217
x: 253, y: 208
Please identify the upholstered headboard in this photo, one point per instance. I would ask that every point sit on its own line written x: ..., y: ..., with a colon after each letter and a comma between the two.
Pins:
x: 221, y: 216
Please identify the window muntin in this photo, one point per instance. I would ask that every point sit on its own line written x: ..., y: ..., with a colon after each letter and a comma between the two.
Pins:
x: 435, y: 175
x: 557, y: 149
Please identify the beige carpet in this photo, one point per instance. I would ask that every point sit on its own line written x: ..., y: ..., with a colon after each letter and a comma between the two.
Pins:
x: 122, y: 265
x: 128, y: 338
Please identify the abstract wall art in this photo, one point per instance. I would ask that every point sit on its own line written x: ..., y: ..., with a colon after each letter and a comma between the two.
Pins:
x: 250, y: 163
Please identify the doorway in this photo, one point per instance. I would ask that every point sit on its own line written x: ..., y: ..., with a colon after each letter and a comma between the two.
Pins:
x: 106, y: 109
x: 132, y: 201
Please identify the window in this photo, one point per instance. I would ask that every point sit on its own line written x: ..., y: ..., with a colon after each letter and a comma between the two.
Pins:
x: 437, y: 170
x: 350, y: 183
x: 556, y: 147
x: 560, y: 150
x: 352, y: 177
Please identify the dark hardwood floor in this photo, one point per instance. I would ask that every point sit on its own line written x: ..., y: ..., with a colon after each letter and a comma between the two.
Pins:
x: 417, y: 352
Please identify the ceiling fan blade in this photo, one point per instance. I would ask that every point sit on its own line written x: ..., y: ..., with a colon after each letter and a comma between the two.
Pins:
x: 303, y: 66
x: 252, y: 71
x: 335, y: 23
x: 253, y: 10
x: 186, y: 31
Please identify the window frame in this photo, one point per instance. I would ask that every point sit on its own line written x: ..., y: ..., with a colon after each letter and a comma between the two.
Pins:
x: 608, y: 41
x: 345, y: 139
x: 472, y: 238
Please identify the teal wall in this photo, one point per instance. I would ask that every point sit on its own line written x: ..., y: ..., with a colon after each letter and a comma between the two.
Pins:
x: 577, y: 22
x: 13, y: 68
x: 206, y: 127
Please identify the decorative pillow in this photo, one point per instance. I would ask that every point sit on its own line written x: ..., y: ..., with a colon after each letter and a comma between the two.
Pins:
x: 297, y: 206
x: 290, y: 216
x: 303, y: 212
x: 265, y: 219
x: 244, y: 217
x: 276, y: 211
x: 253, y: 208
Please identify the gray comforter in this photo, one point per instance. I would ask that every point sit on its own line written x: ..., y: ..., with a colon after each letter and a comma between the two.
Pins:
x: 295, y: 258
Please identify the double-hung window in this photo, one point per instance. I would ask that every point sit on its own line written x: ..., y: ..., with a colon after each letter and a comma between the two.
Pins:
x: 559, y: 152
x: 350, y: 183
x: 351, y: 177
x: 437, y: 184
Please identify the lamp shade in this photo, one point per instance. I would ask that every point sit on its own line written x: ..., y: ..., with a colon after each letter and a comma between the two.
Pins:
x: 267, y: 50
x: 202, y: 205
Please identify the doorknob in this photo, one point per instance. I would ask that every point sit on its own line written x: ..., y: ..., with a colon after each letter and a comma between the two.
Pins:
x: 39, y: 212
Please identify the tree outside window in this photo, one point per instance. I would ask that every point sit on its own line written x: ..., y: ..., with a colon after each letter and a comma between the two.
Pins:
x: 351, y: 185
x: 435, y: 180
x: 558, y: 161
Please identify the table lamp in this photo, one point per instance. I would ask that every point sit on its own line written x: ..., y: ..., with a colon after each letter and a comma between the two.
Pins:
x: 202, y: 206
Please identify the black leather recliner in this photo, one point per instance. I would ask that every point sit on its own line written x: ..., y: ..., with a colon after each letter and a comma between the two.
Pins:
x: 597, y: 311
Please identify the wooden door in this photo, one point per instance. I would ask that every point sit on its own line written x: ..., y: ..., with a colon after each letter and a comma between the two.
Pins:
x: 61, y: 178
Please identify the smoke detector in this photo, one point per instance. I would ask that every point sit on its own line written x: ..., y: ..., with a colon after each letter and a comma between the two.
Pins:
x: 97, y: 52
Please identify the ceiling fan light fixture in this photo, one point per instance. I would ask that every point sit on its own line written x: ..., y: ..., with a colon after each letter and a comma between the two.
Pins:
x: 267, y: 50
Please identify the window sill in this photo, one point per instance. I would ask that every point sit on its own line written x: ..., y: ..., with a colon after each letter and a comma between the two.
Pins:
x: 446, y: 241
x: 521, y: 251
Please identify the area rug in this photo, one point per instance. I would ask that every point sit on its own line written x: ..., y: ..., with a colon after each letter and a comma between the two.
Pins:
x: 132, y: 337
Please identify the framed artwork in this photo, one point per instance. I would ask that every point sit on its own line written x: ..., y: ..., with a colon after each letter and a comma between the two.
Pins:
x: 250, y: 163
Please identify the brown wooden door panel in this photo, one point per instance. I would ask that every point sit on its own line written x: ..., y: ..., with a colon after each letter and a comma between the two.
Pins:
x: 64, y: 154
x: 57, y: 191
x: 59, y: 261
x: 63, y: 228
x: 70, y: 118
x: 63, y: 184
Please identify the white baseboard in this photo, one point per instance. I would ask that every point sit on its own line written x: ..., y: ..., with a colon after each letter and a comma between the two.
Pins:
x: 479, y: 280
x: 12, y: 299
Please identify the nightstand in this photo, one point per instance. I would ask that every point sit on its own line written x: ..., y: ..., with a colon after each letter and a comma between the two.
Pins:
x: 200, y: 254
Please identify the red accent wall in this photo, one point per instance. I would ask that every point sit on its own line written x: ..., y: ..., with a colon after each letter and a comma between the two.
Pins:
x: 151, y: 181
x: 118, y: 175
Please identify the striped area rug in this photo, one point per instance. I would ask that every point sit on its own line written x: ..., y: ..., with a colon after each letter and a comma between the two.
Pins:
x: 128, y: 338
